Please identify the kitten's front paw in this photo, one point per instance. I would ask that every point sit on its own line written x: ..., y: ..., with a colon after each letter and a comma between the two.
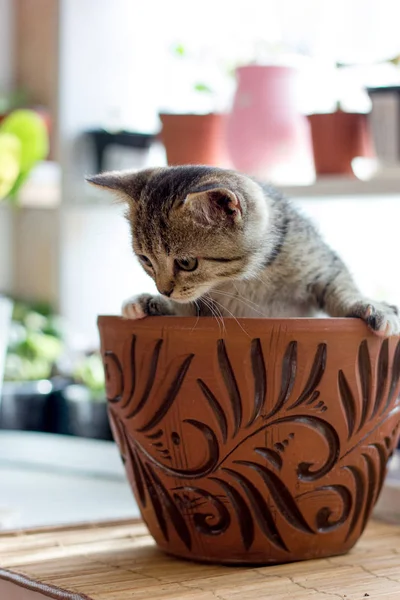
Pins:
x: 133, y: 309
x: 382, y: 318
x: 145, y: 305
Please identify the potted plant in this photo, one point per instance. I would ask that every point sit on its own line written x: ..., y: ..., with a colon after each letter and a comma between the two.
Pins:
x: 340, y: 133
x: 34, y: 347
x: 193, y: 126
x: 82, y: 407
x: 337, y: 138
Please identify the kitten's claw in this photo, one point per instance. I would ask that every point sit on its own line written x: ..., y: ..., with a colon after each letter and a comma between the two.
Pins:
x: 132, y: 309
x: 383, y: 319
x: 145, y: 305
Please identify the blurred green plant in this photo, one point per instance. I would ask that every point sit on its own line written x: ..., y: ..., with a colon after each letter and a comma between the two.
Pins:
x: 37, y: 348
x: 10, y: 157
x: 90, y: 372
x: 36, y: 343
x: 180, y: 52
x: 202, y: 87
x: 24, y: 141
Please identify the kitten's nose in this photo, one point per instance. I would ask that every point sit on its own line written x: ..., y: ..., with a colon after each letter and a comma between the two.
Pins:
x: 167, y: 292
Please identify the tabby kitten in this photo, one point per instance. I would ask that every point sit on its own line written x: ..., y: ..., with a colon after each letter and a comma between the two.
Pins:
x: 219, y: 243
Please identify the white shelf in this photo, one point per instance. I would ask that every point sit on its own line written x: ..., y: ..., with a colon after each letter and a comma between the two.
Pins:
x: 345, y: 187
x: 57, y: 480
x: 43, y: 189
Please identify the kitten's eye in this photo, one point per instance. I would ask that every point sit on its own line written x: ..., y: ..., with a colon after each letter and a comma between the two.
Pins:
x: 187, y: 264
x: 146, y: 261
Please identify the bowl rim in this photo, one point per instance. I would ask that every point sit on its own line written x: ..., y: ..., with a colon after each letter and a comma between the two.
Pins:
x: 262, y: 325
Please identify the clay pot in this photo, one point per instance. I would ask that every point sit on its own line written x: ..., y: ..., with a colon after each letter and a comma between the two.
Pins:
x: 337, y: 139
x: 266, y: 130
x: 194, y: 139
x: 257, y: 445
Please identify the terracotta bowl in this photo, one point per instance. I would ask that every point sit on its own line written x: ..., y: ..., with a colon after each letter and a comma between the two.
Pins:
x: 263, y: 442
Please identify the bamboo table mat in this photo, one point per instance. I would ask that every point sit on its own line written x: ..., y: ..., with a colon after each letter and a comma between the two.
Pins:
x: 119, y: 561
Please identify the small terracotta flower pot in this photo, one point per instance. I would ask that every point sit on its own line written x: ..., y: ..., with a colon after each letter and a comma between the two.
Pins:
x: 194, y: 139
x: 261, y: 444
x: 337, y: 139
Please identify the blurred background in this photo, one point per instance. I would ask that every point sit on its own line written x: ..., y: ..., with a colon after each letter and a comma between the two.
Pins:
x: 302, y: 93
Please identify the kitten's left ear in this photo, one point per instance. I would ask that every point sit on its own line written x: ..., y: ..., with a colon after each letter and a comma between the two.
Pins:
x: 127, y: 184
x: 210, y: 207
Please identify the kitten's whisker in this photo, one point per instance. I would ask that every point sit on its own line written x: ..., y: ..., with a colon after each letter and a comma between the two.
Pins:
x: 248, y: 303
x: 260, y: 279
x: 245, y: 303
x: 232, y: 315
x: 237, y: 296
x: 211, y: 309
x: 220, y: 313
x: 198, y: 315
x: 243, y: 297
x: 216, y: 314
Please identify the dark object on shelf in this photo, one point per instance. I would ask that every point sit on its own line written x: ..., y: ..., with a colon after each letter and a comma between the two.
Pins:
x: 267, y: 446
x: 385, y: 123
x: 102, y: 139
x: 194, y: 139
x: 31, y: 405
x: 337, y: 139
x: 78, y: 414
x: 25, y: 405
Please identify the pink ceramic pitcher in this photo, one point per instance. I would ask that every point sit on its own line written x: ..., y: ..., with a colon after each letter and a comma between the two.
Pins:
x: 266, y: 131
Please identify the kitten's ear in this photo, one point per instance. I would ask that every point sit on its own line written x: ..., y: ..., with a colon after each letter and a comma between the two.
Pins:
x: 126, y: 184
x: 210, y: 207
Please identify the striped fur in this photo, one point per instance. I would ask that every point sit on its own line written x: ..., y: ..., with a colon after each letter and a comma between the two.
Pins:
x: 254, y: 253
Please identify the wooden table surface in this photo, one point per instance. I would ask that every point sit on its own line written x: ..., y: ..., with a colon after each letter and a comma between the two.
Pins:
x: 119, y: 561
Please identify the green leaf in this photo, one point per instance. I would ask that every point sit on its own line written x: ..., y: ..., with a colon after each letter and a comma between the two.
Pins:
x: 19, y: 182
x: 31, y: 131
x: 10, y: 154
x: 203, y: 87
x: 179, y: 50
x: 90, y: 372
x: 21, y: 368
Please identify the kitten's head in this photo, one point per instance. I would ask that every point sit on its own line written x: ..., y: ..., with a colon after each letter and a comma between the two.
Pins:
x: 193, y: 227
